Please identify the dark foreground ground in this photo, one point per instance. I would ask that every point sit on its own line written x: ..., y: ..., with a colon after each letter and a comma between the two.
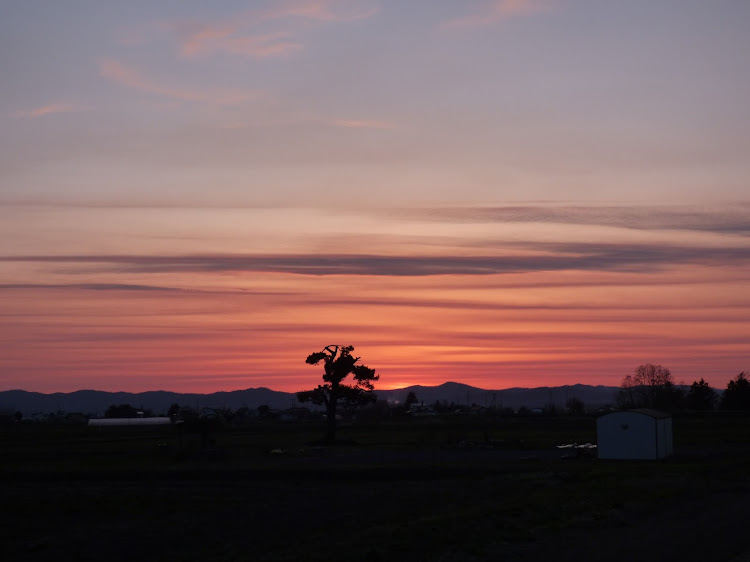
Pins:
x: 433, y: 489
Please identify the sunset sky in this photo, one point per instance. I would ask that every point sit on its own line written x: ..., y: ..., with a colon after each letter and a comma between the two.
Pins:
x: 196, y: 195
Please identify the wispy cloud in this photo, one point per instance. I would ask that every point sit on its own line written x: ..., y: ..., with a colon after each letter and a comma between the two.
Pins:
x: 50, y: 109
x: 88, y: 286
x: 534, y: 257
x: 203, y: 39
x: 322, y: 10
x: 132, y: 287
x: 498, y: 10
x: 133, y: 78
x: 266, y: 33
x: 729, y: 220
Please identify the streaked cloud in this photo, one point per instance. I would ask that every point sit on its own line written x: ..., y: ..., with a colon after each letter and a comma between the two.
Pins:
x: 723, y: 219
x: 87, y: 286
x: 134, y: 78
x: 498, y: 10
x: 50, y: 109
x: 540, y: 257
x: 730, y: 220
x: 140, y: 288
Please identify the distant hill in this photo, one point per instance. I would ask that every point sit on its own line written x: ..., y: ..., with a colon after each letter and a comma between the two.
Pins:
x: 96, y: 402
x: 591, y: 396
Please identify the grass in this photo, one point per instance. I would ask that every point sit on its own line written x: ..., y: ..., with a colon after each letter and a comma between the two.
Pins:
x: 433, y: 489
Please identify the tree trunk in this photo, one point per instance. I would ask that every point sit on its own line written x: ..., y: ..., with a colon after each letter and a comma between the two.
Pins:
x: 331, y: 420
x: 331, y: 429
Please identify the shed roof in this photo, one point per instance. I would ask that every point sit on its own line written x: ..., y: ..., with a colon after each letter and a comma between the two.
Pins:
x: 653, y: 413
x: 130, y: 421
x: 656, y: 414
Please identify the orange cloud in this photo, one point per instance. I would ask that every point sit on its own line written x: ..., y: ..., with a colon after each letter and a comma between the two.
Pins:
x: 133, y: 78
x: 499, y: 10
x: 46, y: 110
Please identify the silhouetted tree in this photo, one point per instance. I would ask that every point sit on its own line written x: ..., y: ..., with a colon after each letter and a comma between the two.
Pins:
x: 411, y: 399
x: 626, y: 396
x: 700, y: 396
x: 737, y: 394
x: 121, y: 411
x: 264, y: 411
x: 242, y: 414
x: 650, y: 386
x: 174, y: 411
x: 575, y: 406
x: 339, y: 363
x: 188, y: 414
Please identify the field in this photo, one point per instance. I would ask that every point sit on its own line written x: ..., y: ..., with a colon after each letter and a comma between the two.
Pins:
x: 443, y: 488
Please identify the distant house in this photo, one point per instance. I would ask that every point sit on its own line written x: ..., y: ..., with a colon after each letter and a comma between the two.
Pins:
x: 421, y: 410
x: 109, y: 422
x: 634, y: 434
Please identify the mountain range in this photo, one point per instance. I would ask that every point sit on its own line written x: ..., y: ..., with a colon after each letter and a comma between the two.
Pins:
x: 95, y: 402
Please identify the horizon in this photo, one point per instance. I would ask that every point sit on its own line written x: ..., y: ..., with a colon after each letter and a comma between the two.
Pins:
x: 680, y: 384
x: 511, y: 193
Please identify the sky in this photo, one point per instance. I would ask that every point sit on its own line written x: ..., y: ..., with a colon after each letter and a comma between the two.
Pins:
x: 194, y: 196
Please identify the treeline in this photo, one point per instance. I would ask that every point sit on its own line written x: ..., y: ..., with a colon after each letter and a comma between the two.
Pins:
x: 652, y: 386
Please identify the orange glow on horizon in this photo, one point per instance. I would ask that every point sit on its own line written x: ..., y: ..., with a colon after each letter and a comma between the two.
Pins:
x: 497, y: 336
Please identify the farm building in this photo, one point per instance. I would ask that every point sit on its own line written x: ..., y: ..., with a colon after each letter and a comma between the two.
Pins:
x: 109, y: 422
x: 634, y: 434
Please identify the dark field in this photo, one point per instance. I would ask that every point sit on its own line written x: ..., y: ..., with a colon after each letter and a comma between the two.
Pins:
x: 443, y: 489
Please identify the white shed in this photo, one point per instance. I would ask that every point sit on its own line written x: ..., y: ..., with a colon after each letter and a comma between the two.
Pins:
x: 634, y: 434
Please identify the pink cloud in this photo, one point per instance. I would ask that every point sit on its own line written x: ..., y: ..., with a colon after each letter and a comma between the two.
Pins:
x: 323, y: 10
x: 133, y: 78
x: 234, y: 37
x: 498, y: 10
x: 46, y: 110
x: 197, y: 40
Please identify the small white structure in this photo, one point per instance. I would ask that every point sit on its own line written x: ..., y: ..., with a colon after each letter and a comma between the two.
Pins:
x: 634, y: 434
x: 99, y: 422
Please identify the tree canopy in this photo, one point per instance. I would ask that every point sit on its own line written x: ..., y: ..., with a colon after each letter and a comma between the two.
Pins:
x: 338, y: 364
x: 650, y: 386
x: 737, y: 394
x: 121, y: 411
x: 700, y: 396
